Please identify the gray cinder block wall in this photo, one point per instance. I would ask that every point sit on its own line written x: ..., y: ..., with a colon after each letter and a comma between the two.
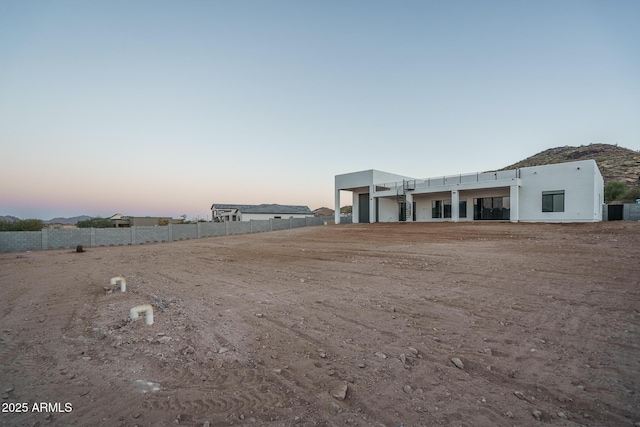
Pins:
x: 238, y: 227
x: 13, y: 241
x: 631, y: 212
x: 21, y: 241
x: 184, y: 231
x: 279, y: 224
x: 68, y: 238
x: 259, y: 226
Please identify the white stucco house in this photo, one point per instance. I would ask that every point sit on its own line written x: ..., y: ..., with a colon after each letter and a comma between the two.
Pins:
x: 226, y: 212
x: 563, y: 192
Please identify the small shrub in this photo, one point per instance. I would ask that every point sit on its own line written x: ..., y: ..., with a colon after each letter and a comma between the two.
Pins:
x: 631, y: 195
x: 95, y: 222
x: 22, y: 225
x: 613, y: 190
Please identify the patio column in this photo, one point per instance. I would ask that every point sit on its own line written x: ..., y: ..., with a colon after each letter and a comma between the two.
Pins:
x: 372, y: 205
x: 455, y: 206
x: 514, y: 198
x: 336, y: 213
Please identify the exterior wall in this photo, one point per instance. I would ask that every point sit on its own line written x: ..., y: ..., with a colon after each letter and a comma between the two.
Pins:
x: 423, y: 206
x: 297, y: 222
x: 581, y: 182
x: 631, y: 212
x: 211, y: 229
x: 238, y: 227
x: 469, y: 195
x: 387, y: 210
x: 91, y: 237
x: 358, y: 183
x: 184, y: 231
x: 20, y: 241
x: 259, y: 216
x: 424, y: 202
x: 346, y: 219
x: 112, y: 236
x: 355, y: 205
x: 67, y: 238
x: 145, y: 234
x: 260, y: 226
x: 279, y: 224
x: 598, y: 185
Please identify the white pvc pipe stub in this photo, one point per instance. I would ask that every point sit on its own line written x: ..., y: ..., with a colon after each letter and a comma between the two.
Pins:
x: 123, y: 283
x: 134, y: 313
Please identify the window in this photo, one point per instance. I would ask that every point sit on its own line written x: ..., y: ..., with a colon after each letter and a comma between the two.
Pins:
x: 441, y: 209
x: 436, y: 209
x: 494, y: 208
x: 553, y: 201
x: 463, y: 208
x: 447, y: 208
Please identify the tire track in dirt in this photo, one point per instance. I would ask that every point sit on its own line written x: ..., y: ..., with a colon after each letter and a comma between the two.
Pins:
x: 223, y: 404
x: 217, y: 395
x: 11, y: 307
x: 309, y: 379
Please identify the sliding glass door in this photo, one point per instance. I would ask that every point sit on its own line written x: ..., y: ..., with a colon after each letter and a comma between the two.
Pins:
x: 491, y: 208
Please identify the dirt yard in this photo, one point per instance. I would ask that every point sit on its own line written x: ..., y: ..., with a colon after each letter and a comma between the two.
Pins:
x: 350, y: 325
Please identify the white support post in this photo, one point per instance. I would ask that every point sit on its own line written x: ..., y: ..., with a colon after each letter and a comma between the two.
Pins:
x: 355, y: 208
x: 514, y: 199
x: 372, y: 205
x: 455, y: 206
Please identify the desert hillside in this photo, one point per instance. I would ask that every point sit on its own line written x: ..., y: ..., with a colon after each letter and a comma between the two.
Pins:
x: 615, y: 163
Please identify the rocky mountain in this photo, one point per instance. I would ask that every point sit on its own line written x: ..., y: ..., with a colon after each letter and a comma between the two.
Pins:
x: 615, y: 163
x: 66, y: 221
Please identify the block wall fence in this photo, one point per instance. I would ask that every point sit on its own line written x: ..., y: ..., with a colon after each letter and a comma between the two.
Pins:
x: 630, y: 212
x: 12, y: 241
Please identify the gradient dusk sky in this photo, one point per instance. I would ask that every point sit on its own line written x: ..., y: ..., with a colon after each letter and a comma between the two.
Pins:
x: 164, y: 107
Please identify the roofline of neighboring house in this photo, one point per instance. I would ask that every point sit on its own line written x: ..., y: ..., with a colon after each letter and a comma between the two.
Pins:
x: 254, y: 209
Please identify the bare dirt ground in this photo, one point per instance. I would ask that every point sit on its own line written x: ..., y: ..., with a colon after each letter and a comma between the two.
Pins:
x: 264, y: 329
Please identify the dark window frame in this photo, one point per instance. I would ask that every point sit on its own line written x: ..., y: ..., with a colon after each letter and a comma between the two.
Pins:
x: 462, y: 208
x: 436, y: 209
x: 446, y: 208
x: 553, y: 201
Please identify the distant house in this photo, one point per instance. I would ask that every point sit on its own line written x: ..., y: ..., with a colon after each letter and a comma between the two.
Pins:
x: 324, y: 211
x: 120, y: 220
x: 225, y: 212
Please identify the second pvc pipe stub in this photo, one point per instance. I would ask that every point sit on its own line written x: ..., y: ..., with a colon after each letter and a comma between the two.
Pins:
x: 134, y: 313
x: 123, y: 283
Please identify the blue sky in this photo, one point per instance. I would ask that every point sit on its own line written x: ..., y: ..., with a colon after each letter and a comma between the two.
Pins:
x: 164, y: 107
